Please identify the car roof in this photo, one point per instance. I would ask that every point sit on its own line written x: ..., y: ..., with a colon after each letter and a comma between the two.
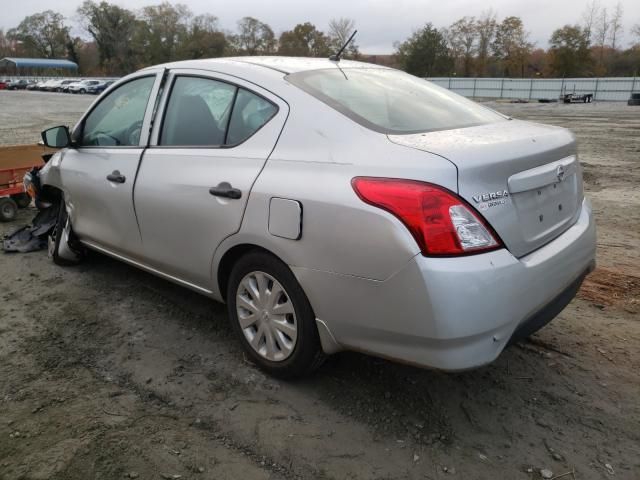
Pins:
x: 281, y: 64
x: 301, y: 64
x: 268, y: 73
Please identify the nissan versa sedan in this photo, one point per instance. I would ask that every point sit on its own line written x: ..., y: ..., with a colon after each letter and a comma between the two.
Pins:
x: 333, y: 205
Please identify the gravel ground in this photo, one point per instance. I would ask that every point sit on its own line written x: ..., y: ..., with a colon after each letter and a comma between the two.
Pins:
x: 23, y: 114
x: 107, y: 372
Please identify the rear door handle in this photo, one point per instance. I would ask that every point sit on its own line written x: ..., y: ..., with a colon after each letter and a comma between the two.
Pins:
x: 225, y: 190
x: 116, y: 177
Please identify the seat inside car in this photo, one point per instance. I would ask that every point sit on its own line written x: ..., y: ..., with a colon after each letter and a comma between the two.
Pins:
x: 191, y: 123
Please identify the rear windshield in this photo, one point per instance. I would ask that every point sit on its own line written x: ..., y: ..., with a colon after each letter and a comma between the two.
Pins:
x: 390, y: 101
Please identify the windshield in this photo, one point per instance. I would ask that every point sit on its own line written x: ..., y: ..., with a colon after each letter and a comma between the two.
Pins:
x: 390, y: 101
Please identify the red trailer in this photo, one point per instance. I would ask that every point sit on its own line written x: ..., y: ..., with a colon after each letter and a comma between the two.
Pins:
x: 12, y: 194
x: 15, y: 162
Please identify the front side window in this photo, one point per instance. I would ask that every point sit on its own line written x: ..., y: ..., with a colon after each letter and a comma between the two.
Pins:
x: 392, y: 102
x: 206, y: 112
x: 117, y: 120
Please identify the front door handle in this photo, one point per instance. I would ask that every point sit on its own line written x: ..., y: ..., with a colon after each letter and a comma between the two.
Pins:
x: 225, y: 189
x: 116, y: 177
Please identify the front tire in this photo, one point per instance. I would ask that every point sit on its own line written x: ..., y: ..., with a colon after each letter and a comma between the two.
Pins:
x: 272, y: 317
x: 59, y: 241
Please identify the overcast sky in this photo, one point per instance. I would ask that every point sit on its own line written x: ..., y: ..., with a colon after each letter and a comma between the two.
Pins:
x: 380, y: 22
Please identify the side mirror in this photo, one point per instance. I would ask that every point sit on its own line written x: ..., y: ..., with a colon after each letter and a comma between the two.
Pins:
x: 57, y: 137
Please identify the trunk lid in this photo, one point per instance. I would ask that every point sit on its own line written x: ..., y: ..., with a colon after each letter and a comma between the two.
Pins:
x: 523, y: 178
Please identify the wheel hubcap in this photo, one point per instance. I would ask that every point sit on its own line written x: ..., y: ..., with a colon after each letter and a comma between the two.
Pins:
x: 266, y: 316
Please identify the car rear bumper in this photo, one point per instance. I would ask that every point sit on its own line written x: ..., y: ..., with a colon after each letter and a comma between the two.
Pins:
x: 453, y: 313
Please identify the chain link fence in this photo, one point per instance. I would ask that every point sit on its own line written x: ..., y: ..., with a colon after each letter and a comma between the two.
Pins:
x: 616, y: 89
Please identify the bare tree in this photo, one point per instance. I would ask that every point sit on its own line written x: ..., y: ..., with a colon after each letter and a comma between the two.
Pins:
x: 601, y: 36
x: 615, y: 25
x: 602, y: 28
x: 486, y: 28
x: 635, y: 31
x: 455, y: 51
x: 511, y: 46
x: 340, y: 29
x: 590, y: 17
x: 4, y: 44
x: 462, y: 36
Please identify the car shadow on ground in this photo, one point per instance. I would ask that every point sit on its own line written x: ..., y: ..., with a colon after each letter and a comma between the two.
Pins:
x: 393, y: 399
x: 540, y: 403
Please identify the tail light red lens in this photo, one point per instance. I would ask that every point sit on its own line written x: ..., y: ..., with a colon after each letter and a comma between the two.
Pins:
x: 441, y: 222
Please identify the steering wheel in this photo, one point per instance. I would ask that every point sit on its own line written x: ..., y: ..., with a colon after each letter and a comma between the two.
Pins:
x: 97, y: 139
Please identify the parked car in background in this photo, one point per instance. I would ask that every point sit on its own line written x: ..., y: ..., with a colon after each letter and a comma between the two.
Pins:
x: 58, y: 85
x: 3, y: 84
x: 63, y: 86
x: 20, y: 84
x: 34, y: 85
x: 72, y: 84
x: 82, y: 86
x: 100, y: 87
x: 52, y: 85
x: 44, y: 86
x: 333, y: 205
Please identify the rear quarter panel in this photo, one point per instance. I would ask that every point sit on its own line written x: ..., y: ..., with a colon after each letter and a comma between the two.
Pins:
x: 318, y: 154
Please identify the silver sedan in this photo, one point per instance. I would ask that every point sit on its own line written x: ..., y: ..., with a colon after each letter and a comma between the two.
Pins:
x: 331, y: 204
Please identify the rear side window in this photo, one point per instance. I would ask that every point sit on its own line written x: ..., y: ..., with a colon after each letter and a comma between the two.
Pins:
x: 198, y: 112
x: 206, y: 112
x: 250, y: 113
x: 392, y: 102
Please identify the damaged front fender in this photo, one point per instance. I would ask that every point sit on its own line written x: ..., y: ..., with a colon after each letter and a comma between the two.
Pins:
x: 48, y: 200
x: 49, y: 175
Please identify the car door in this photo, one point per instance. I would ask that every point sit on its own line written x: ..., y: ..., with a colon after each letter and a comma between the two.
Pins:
x: 98, y: 172
x: 215, y: 135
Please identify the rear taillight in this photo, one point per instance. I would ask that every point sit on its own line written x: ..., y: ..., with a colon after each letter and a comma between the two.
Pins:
x: 442, y: 223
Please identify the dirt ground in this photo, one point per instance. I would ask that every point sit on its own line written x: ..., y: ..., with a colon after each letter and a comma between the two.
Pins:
x: 107, y: 372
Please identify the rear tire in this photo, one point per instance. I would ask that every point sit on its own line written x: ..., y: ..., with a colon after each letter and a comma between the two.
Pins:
x: 276, y: 316
x: 8, y: 209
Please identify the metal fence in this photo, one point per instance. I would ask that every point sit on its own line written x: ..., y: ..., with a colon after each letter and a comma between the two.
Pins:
x: 608, y: 89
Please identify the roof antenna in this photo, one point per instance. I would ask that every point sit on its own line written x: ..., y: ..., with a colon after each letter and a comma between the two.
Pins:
x: 336, y: 56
